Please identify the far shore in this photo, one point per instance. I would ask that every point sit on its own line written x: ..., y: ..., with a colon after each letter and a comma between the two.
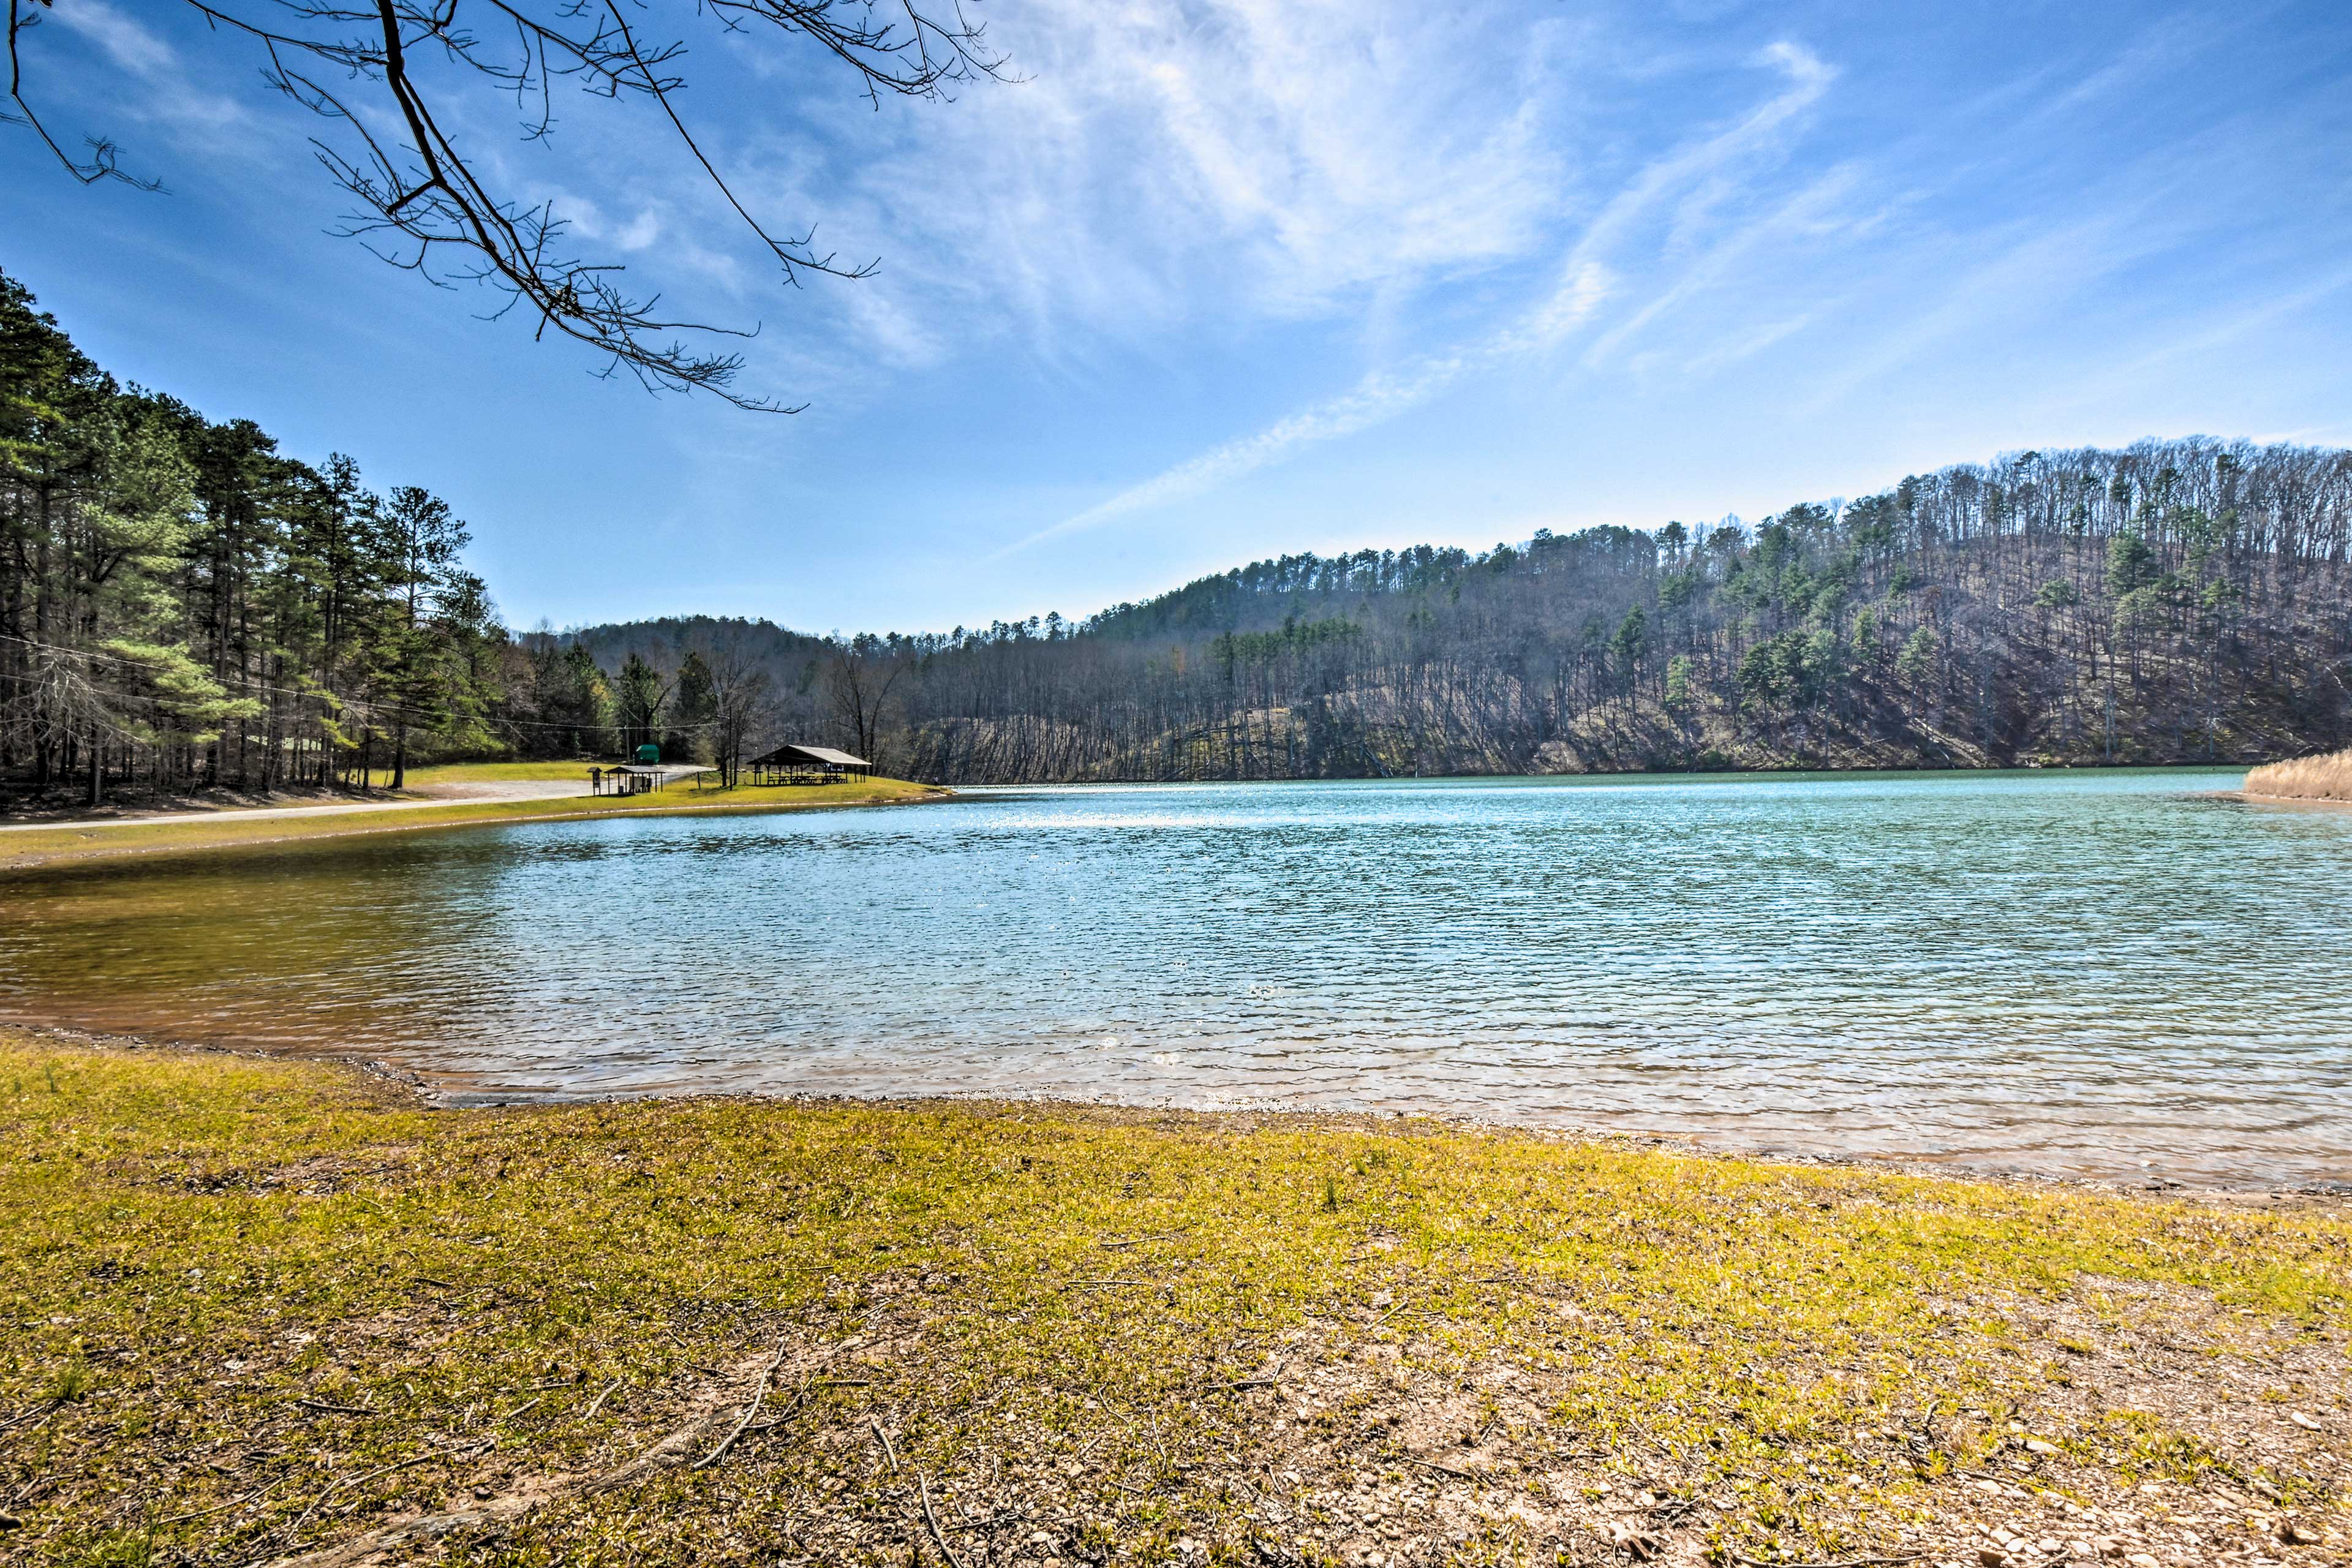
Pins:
x: 509, y: 793
x: 477, y: 801
x: 458, y: 795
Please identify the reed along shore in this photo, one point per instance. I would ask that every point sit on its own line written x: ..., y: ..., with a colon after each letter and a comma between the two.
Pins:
x: 268, y: 1309
x: 2305, y: 778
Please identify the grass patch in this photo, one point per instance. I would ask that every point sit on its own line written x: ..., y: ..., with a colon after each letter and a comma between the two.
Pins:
x: 505, y: 773
x: 57, y: 846
x: 256, y: 1307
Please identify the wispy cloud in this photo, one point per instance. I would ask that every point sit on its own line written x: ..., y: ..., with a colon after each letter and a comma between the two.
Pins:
x: 1206, y: 165
x: 1815, y: 206
x: 1586, y: 278
x: 118, y: 37
x: 137, y: 50
x: 2008, y: 275
x: 2213, y: 336
x: 1378, y: 397
x: 1749, y: 345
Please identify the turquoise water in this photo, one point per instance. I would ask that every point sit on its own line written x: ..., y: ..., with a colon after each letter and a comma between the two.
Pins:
x: 2107, y: 974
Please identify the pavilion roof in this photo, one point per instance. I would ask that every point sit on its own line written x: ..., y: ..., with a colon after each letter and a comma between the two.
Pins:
x: 823, y: 754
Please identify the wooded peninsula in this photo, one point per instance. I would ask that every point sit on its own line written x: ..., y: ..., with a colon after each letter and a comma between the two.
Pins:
x: 184, y: 605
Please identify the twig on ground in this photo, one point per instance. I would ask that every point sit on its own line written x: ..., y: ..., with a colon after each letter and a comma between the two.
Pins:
x: 1000, y: 1517
x: 1444, y: 1469
x: 225, y: 1507
x: 1265, y: 1499
x: 1140, y: 1240
x: 938, y: 1536
x: 884, y: 1438
x: 1838, y: 1562
x: 41, y: 1407
x: 759, y: 1395
x: 598, y: 1403
x: 321, y: 1500
x: 332, y: 1409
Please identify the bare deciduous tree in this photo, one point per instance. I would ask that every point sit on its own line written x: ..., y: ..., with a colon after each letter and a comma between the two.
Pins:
x: 425, y: 200
x: 859, y: 675
x: 743, y: 694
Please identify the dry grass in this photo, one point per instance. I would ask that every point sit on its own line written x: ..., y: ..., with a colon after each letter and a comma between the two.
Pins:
x: 2306, y: 778
x: 262, y: 1309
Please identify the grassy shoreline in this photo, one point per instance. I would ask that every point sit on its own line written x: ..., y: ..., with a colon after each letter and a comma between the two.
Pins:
x: 66, y: 842
x: 266, y: 1307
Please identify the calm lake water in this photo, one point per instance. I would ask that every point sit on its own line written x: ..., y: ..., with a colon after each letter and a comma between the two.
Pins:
x: 2105, y: 972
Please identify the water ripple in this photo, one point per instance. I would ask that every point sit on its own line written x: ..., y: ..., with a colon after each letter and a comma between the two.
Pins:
x: 2098, y: 973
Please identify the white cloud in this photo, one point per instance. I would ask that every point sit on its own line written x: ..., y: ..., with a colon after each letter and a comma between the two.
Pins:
x: 1695, y: 171
x: 591, y: 221
x: 1746, y: 346
x: 1814, y: 205
x: 1588, y: 277
x: 123, y: 39
x: 1209, y: 164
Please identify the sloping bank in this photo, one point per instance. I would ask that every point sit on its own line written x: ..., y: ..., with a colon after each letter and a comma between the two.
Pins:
x: 2305, y: 778
x: 267, y: 1310
x: 22, y: 848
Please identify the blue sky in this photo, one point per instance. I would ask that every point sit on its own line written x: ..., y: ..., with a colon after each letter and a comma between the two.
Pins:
x: 1221, y: 280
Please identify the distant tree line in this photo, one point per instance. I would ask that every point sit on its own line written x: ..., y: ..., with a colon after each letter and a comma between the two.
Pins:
x: 2182, y: 601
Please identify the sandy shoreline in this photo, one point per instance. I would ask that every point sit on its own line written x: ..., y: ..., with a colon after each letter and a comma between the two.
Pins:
x: 2251, y: 798
x: 28, y: 847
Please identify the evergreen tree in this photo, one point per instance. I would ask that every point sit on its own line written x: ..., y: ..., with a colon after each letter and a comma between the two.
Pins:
x: 182, y: 602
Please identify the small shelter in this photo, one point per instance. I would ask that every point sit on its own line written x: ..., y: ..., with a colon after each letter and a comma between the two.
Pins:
x: 637, y: 778
x: 806, y: 764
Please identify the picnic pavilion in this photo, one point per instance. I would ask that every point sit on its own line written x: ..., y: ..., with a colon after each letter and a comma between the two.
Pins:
x: 806, y: 764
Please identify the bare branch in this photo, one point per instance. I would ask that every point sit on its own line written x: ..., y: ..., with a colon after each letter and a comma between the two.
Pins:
x: 102, y: 152
x: 423, y: 205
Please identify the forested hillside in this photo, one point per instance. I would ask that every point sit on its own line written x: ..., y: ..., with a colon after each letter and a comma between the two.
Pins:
x: 184, y: 605
x: 2184, y: 601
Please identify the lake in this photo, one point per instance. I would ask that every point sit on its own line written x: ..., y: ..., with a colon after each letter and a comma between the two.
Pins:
x: 2108, y: 974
